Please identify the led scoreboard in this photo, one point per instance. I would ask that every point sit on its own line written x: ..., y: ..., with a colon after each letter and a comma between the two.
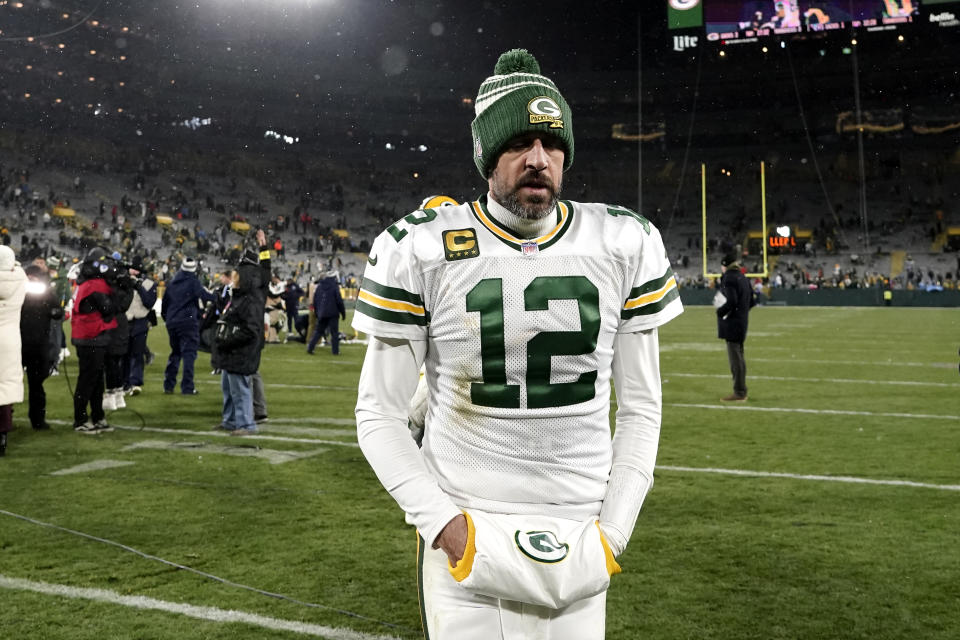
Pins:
x: 738, y: 19
x: 752, y: 20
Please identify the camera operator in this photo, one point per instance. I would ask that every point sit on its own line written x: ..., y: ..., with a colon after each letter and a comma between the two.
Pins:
x: 40, y: 317
x: 92, y: 322
x: 141, y: 317
x: 123, y: 285
x: 240, y: 339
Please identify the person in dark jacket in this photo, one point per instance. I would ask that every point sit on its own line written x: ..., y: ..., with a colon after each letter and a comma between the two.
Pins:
x: 291, y: 300
x: 91, y: 322
x: 328, y: 305
x: 240, y: 339
x: 732, y: 317
x: 139, y: 314
x: 40, y: 316
x: 181, y: 312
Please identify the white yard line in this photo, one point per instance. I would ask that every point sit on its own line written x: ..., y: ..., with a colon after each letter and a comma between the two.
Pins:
x: 212, y: 614
x: 273, y: 456
x: 237, y: 439
x: 96, y: 465
x: 797, y: 476
x: 905, y: 383
x: 829, y: 412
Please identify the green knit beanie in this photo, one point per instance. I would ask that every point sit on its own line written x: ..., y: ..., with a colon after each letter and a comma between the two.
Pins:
x: 514, y: 100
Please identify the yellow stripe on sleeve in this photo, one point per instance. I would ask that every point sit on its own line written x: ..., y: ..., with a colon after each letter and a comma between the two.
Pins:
x: 393, y: 305
x: 653, y: 296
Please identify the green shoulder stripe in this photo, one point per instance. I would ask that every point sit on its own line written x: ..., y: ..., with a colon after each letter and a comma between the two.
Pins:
x: 393, y: 293
x: 652, y: 308
x: 652, y: 285
x: 396, y: 317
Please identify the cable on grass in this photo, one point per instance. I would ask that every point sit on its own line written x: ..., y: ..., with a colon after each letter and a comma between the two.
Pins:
x: 209, y: 576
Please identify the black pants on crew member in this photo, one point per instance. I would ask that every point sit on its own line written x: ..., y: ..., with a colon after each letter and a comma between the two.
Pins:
x: 738, y: 367
x: 89, y: 384
x: 37, y: 362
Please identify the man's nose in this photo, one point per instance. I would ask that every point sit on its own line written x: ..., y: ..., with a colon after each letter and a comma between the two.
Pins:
x: 536, y: 157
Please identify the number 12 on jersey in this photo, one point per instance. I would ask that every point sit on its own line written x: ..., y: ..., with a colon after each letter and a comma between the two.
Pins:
x: 486, y: 298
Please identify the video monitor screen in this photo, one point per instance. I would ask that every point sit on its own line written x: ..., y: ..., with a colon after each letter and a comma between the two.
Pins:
x: 742, y: 19
x: 737, y: 19
x: 839, y: 14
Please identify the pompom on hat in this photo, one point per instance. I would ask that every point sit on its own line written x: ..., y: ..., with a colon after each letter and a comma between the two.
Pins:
x: 514, y: 100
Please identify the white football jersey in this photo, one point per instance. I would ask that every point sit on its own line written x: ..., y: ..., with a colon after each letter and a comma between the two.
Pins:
x: 520, y: 343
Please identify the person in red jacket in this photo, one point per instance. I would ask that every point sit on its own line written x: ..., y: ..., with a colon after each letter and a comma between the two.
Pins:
x: 91, y: 323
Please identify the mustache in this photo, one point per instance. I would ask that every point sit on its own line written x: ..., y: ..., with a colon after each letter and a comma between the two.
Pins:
x: 535, y: 179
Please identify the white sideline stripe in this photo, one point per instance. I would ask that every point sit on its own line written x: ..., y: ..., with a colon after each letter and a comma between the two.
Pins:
x: 239, y: 440
x: 321, y: 432
x: 798, y: 476
x: 213, y: 614
x: 343, y: 422
x: 280, y: 385
x: 906, y: 383
x: 96, y: 465
x: 831, y: 412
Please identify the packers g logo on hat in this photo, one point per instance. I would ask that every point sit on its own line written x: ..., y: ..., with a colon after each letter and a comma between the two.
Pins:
x: 545, y: 109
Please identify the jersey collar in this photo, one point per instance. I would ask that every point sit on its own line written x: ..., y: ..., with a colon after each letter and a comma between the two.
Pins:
x: 564, y: 213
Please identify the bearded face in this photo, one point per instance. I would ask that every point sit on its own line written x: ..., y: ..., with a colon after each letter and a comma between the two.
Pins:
x: 527, y: 177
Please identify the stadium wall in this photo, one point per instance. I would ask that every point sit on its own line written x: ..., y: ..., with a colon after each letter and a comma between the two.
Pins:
x: 837, y: 298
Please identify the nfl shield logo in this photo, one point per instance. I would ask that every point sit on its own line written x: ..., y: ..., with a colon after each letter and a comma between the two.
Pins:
x: 530, y: 248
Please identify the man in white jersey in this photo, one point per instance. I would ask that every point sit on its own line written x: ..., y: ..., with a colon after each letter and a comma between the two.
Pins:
x: 522, y: 307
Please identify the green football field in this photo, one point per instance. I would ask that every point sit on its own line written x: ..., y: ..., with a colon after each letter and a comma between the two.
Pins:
x: 828, y: 506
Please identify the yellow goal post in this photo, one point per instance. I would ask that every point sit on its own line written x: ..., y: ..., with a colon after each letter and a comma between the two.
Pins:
x: 763, y: 221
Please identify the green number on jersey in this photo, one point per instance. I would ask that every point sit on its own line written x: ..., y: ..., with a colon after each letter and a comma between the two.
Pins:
x: 487, y: 299
x: 413, y: 219
x: 622, y: 211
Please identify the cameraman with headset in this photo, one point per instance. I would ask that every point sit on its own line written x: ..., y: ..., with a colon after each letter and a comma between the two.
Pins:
x: 123, y: 286
x: 92, y: 323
